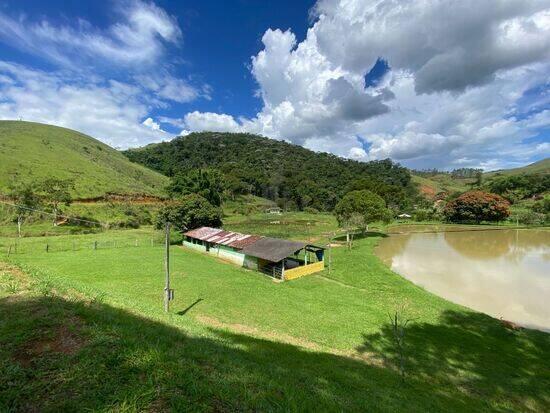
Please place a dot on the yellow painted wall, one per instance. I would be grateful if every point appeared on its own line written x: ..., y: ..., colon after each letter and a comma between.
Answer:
x: 304, y: 270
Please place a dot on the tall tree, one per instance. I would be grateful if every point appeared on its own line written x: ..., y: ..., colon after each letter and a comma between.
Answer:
x: 26, y: 200
x: 189, y: 212
x: 57, y: 192
x: 358, y: 209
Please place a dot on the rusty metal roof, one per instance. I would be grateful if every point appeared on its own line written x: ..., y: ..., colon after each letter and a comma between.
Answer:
x: 270, y: 249
x: 244, y: 242
x: 273, y: 249
x: 202, y: 233
x: 219, y: 236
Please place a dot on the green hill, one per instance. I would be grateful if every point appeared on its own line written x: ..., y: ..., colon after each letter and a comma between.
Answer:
x: 540, y: 167
x: 431, y: 184
x: 33, y: 152
x: 293, y: 176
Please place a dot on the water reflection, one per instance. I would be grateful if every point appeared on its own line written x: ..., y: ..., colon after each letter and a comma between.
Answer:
x: 503, y: 273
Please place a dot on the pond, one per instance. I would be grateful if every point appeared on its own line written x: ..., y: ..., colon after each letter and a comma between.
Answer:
x: 504, y: 273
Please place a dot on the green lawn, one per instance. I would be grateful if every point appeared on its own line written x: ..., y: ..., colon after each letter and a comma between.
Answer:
x: 235, y: 340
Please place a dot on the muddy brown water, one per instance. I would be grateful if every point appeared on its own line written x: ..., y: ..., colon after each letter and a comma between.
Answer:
x: 503, y: 273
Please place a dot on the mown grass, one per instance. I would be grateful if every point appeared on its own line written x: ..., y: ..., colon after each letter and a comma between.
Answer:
x: 290, y: 225
x: 235, y: 340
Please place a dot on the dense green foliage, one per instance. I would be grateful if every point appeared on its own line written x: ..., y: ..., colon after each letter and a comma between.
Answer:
x: 358, y: 209
x: 477, y: 206
x: 209, y: 184
x: 460, y: 173
x: 32, y: 152
x: 189, y: 212
x: 517, y: 187
x: 542, y: 206
x: 291, y: 175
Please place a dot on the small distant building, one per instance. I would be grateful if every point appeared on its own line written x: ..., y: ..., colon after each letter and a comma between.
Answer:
x: 404, y: 216
x: 274, y: 210
x: 278, y: 258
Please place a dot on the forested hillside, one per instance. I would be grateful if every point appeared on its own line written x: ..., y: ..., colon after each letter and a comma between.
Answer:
x: 291, y: 175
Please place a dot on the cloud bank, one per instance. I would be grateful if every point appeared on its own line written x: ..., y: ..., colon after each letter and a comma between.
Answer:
x: 467, y: 84
x: 108, y: 80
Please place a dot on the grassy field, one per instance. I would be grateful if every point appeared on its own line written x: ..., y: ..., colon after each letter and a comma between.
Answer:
x: 542, y: 166
x: 32, y: 152
x: 430, y: 186
x: 85, y: 330
x: 433, y: 185
x: 291, y: 225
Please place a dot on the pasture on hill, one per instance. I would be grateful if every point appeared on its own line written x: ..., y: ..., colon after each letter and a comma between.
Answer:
x: 85, y: 329
x: 32, y: 152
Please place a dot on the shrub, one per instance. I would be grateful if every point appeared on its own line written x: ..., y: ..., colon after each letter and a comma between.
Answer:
x: 477, y: 206
x: 531, y: 218
x: 311, y: 210
x: 542, y: 206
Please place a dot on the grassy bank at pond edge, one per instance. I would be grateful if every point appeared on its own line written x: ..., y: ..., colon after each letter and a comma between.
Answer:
x: 86, y: 330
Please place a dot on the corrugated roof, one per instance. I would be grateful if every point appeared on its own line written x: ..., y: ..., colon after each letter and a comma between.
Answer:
x: 202, y: 233
x: 219, y: 236
x: 273, y: 249
x: 244, y: 242
x: 270, y: 249
x: 226, y: 237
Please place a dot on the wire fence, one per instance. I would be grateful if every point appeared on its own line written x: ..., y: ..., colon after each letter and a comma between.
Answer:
x: 18, y: 246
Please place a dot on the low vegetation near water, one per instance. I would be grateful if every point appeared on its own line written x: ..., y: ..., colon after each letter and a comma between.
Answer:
x: 84, y: 329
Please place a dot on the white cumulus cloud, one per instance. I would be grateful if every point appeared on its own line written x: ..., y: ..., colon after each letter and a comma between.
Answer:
x: 110, y: 111
x: 464, y: 83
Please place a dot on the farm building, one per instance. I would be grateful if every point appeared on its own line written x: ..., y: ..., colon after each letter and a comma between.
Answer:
x: 276, y: 257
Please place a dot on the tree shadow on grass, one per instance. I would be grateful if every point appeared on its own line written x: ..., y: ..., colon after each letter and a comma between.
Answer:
x: 360, y: 235
x: 66, y: 355
x: 476, y: 353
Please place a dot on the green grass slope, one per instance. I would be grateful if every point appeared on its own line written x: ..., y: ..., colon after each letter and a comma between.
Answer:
x: 87, y: 332
x: 540, y: 167
x: 442, y: 182
x: 33, y: 152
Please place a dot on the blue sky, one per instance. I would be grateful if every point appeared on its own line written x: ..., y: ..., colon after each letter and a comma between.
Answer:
x: 428, y: 84
x: 214, y: 49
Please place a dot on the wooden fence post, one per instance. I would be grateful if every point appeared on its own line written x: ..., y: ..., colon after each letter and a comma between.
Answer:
x: 47, y: 247
x: 95, y: 245
x: 9, y: 251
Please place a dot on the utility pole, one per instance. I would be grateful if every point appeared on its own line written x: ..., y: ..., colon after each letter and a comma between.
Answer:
x: 329, y: 254
x: 168, y: 294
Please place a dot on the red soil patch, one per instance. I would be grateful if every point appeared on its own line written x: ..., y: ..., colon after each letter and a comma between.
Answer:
x: 427, y: 191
